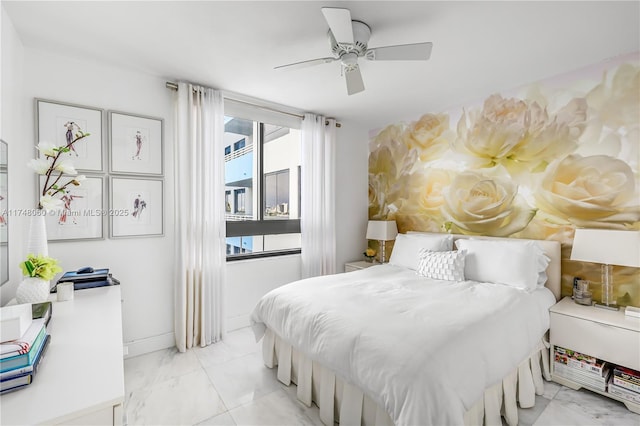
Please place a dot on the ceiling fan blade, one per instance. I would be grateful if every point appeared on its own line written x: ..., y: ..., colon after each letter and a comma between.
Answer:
x: 401, y: 52
x: 339, y: 21
x: 353, y: 77
x: 305, y: 64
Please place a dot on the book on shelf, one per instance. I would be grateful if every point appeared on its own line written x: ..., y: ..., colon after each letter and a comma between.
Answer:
x: 623, y: 383
x: 24, y: 359
x: 22, y: 377
x: 627, y: 374
x: 624, y: 393
x: 576, y: 375
x: 23, y: 344
x: 578, y: 360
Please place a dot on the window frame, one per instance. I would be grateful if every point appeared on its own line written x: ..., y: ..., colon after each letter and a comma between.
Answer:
x: 262, y: 226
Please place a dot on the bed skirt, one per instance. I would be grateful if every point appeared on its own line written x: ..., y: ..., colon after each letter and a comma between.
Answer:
x: 344, y: 403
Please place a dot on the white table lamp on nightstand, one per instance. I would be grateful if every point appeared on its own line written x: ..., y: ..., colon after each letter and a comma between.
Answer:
x: 608, y: 247
x: 382, y: 230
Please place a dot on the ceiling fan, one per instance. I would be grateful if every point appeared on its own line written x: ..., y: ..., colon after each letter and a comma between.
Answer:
x: 348, y: 40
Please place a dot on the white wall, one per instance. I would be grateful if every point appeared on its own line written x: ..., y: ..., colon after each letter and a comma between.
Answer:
x: 143, y: 265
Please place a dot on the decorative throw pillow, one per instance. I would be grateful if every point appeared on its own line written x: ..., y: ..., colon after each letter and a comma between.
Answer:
x: 442, y: 265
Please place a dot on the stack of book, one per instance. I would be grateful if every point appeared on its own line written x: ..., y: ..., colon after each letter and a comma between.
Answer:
x: 580, y: 368
x: 20, y: 358
x: 625, y: 383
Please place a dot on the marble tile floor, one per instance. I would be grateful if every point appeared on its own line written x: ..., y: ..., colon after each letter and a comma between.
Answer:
x: 227, y: 384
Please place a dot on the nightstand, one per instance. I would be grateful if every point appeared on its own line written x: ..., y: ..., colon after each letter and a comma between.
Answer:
x: 608, y: 335
x: 358, y: 264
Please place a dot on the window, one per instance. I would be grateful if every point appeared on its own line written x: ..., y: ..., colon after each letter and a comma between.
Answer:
x: 262, y: 179
x: 227, y: 150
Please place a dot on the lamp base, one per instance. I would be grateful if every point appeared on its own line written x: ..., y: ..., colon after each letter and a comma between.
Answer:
x: 609, y: 307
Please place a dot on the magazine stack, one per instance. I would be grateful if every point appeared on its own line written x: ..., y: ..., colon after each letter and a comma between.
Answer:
x: 625, y: 384
x: 580, y: 368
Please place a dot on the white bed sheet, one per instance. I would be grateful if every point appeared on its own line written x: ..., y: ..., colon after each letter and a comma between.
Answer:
x: 424, y: 350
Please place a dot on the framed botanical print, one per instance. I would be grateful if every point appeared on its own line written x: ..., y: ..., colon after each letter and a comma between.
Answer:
x: 82, y: 212
x: 136, y: 144
x: 75, y: 126
x: 136, y: 208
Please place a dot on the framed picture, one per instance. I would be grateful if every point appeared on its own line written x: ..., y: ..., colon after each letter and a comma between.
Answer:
x: 62, y: 124
x: 137, y: 207
x: 81, y: 217
x: 136, y: 144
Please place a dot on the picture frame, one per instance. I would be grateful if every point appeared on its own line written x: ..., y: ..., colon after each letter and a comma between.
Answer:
x: 83, y: 215
x: 136, y: 144
x: 59, y: 122
x: 4, y: 212
x: 136, y: 207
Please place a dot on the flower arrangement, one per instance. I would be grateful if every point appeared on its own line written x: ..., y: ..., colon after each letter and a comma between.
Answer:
x: 42, y: 267
x: 369, y: 254
x: 56, y: 168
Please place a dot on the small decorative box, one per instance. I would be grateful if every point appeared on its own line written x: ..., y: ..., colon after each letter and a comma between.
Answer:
x: 14, y: 321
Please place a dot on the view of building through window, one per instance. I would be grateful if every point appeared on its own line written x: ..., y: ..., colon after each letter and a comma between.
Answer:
x: 262, y: 183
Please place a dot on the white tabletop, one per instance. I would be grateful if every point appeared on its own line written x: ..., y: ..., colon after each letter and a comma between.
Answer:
x: 82, y: 370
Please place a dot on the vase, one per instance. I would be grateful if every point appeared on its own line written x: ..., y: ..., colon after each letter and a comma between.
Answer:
x: 368, y: 259
x: 37, y: 237
x: 32, y: 290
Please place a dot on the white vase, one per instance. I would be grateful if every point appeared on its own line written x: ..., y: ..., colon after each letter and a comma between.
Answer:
x: 37, y: 237
x: 32, y: 290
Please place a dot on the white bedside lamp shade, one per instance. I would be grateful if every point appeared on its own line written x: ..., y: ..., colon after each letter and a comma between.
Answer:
x: 608, y: 247
x: 382, y: 230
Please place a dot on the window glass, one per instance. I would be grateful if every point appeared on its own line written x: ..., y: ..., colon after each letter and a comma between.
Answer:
x: 262, y: 180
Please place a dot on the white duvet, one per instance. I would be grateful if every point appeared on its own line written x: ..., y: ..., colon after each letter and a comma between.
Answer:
x: 424, y: 350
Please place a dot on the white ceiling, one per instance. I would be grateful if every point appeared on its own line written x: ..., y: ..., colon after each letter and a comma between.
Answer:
x: 479, y: 47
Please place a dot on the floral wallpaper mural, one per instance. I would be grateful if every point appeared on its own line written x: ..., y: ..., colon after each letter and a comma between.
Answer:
x: 533, y: 165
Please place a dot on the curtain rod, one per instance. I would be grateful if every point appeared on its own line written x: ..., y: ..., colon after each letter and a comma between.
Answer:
x: 174, y: 86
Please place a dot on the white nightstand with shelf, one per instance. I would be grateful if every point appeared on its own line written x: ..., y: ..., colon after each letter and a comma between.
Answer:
x: 358, y: 264
x: 604, y: 334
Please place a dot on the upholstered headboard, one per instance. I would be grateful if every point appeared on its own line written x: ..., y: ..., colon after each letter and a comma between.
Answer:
x: 551, y: 249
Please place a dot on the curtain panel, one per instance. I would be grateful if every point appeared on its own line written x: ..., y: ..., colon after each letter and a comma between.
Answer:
x: 200, y: 251
x: 317, y: 222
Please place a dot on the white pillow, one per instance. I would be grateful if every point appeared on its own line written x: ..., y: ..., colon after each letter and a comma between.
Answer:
x: 442, y: 265
x: 516, y: 263
x: 406, y: 247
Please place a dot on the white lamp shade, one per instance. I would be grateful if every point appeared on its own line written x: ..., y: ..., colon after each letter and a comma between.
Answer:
x: 384, y: 230
x: 606, y: 246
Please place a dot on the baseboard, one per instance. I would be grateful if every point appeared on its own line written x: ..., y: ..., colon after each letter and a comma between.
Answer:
x: 149, y: 344
x: 238, y: 322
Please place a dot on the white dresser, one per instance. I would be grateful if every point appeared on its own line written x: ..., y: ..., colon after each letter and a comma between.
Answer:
x: 604, y: 334
x: 81, y: 378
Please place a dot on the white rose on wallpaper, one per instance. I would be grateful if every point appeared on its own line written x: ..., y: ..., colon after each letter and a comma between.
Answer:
x: 614, y: 117
x: 518, y: 135
x: 389, y: 159
x: 596, y: 191
x: 617, y: 103
x: 482, y: 205
x: 430, y: 136
x: 419, y: 198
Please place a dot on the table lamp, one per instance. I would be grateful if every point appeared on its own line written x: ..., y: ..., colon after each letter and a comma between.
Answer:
x: 382, y: 230
x: 608, y: 247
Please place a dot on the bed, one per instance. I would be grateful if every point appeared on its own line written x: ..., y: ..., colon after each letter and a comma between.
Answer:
x: 408, y: 343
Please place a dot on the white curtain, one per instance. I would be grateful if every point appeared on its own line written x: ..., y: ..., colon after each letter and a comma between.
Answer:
x: 200, y: 217
x: 318, y: 194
